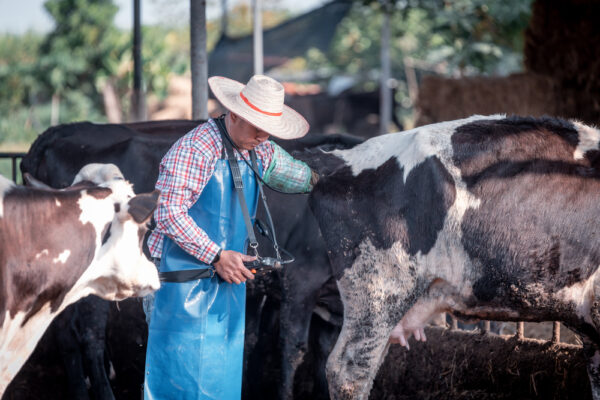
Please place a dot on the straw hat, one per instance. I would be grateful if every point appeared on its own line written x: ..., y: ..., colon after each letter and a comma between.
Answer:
x: 260, y: 102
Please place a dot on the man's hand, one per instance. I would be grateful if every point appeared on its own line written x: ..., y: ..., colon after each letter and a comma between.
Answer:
x: 231, y: 268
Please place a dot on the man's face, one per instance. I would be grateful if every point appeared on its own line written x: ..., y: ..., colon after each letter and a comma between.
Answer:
x: 245, y: 135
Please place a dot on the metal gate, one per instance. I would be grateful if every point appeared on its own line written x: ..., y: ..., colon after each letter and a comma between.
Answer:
x: 13, y: 156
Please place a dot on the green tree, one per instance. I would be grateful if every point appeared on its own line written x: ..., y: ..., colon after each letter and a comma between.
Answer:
x: 459, y: 37
x: 468, y: 36
x: 78, y: 53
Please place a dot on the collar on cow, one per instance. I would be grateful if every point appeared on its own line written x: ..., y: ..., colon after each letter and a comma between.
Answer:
x: 262, y: 263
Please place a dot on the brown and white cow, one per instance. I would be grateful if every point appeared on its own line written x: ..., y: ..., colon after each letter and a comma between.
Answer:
x: 57, y: 246
x: 487, y: 217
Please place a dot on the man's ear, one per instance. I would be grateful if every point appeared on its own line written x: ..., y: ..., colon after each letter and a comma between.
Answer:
x: 234, y: 117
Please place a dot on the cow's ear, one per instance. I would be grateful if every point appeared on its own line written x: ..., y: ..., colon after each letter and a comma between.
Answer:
x: 142, y: 206
x: 32, y: 182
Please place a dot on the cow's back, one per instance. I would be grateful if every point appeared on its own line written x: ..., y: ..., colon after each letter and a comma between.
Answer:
x: 60, y: 152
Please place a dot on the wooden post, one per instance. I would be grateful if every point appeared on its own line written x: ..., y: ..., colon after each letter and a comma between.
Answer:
x: 199, y: 59
x: 257, y: 36
x: 556, y: 332
x: 520, y: 330
x: 486, y: 326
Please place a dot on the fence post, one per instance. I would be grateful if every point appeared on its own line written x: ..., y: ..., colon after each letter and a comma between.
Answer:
x: 486, y: 326
x: 14, y: 169
x: 556, y: 332
x: 520, y: 330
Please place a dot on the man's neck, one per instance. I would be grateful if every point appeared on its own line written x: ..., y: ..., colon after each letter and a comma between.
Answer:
x: 229, y: 132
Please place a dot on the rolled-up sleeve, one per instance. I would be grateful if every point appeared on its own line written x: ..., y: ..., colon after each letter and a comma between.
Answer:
x: 287, y: 174
x: 183, y: 175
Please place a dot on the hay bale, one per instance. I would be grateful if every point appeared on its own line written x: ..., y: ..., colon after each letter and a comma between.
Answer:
x: 562, y: 41
x: 443, y: 99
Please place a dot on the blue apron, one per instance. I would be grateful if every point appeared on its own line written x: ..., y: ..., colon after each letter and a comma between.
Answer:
x: 196, y: 333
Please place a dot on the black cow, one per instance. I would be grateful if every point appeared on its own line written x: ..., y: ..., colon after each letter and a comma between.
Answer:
x: 57, y: 246
x: 354, y: 112
x: 485, y: 217
x: 56, y: 157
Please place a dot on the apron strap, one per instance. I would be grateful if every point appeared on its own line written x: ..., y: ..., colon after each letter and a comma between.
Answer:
x: 273, y: 236
x: 237, y: 181
x: 235, y: 170
x: 186, y: 275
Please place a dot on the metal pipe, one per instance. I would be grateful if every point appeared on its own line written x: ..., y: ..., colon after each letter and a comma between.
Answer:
x: 13, y: 157
x: 224, y: 18
x: 257, y: 36
x: 137, y: 101
x: 14, y: 169
x: 199, y: 59
x: 385, y: 112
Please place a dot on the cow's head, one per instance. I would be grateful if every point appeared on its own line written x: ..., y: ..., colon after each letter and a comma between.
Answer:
x: 120, y: 268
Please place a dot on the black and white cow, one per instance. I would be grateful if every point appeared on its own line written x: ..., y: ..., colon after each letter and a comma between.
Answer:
x: 486, y: 217
x: 57, y: 246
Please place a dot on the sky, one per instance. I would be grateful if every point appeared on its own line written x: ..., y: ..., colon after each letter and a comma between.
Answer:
x: 19, y: 16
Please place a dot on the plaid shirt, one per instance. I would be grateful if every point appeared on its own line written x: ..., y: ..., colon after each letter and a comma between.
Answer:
x: 184, y: 172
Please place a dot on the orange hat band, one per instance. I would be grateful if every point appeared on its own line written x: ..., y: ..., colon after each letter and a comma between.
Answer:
x: 252, y: 106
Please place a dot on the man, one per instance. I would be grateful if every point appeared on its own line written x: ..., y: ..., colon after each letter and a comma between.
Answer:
x: 196, y: 330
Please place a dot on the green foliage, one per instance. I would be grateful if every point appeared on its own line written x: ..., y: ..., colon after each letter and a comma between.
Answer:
x: 85, y: 51
x: 17, y: 63
x: 482, y: 35
x: 80, y: 49
x: 466, y: 36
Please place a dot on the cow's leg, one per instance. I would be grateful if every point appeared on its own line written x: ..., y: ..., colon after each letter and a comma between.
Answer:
x: 359, y: 351
x: 327, y: 336
x: 591, y: 342
x: 92, y: 319
x: 592, y: 355
x: 301, y: 286
x: 376, y: 292
x: 68, y: 346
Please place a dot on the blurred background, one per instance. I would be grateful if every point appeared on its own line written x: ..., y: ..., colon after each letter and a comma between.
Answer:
x: 72, y: 60
x: 63, y: 61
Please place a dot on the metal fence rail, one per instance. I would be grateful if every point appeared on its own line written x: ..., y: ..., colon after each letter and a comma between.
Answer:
x: 520, y: 329
x: 13, y: 156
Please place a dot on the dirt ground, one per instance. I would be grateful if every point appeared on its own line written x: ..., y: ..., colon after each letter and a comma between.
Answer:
x: 450, y: 365
x: 471, y: 365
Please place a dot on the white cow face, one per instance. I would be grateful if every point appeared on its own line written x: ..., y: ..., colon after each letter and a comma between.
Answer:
x: 120, y: 268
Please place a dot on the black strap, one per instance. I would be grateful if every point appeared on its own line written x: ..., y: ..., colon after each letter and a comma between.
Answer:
x: 186, y: 275
x: 238, y: 183
x: 228, y: 147
x: 273, y: 239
